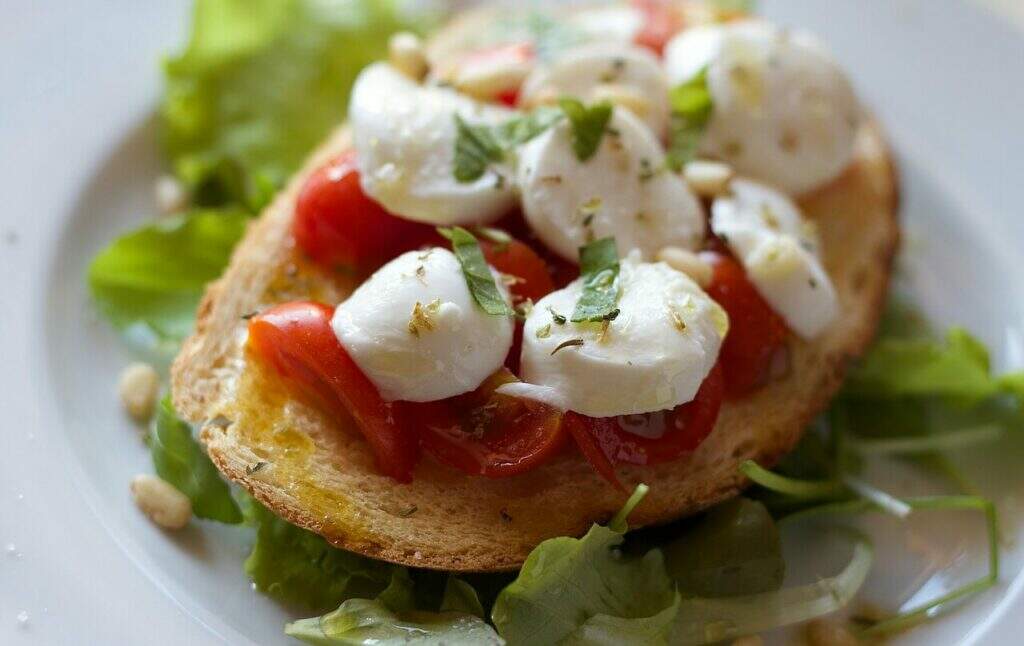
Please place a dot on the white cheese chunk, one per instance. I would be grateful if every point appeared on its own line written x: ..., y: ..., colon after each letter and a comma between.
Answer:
x: 783, y: 110
x: 778, y: 247
x: 404, y: 136
x: 653, y: 356
x: 628, y: 75
x: 621, y: 191
x: 415, y: 331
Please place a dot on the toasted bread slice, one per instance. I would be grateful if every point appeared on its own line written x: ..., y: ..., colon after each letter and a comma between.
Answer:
x: 317, y: 472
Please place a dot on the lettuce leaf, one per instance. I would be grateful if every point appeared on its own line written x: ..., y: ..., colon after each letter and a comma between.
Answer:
x: 180, y: 460
x: 567, y: 581
x: 148, y: 282
x: 734, y: 549
x: 260, y: 83
x: 299, y: 567
x: 393, y: 618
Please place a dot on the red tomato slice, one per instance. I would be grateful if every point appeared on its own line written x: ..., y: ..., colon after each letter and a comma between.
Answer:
x: 685, y: 427
x: 488, y: 434
x: 528, y: 272
x: 756, y: 333
x: 298, y: 340
x: 661, y: 22
x: 340, y: 227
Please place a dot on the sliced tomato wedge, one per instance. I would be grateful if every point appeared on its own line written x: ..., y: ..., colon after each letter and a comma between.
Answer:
x: 339, y: 226
x: 662, y: 21
x: 527, y: 271
x: 489, y: 434
x: 681, y: 429
x: 757, y: 335
x: 297, y: 339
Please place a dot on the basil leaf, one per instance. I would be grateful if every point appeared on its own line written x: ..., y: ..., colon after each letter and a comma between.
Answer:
x: 477, y: 146
x: 179, y: 460
x: 477, y: 272
x: 588, y: 125
x: 599, y: 271
x: 691, y: 110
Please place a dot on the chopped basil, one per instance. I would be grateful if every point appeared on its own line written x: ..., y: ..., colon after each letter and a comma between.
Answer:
x: 475, y: 148
x: 588, y: 125
x: 556, y: 317
x: 691, y: 109
x: 599, y: 271
x: 478, y: 146
x: 497, y: 237
x: 477, y: 272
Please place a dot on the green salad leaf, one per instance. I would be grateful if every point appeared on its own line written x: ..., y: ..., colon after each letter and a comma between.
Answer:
x: 392, y: 618
x: 260, y: 83
x: 299, y: 567
x: 478, y: 274
x: 956, y: 367
x: 599, y: 271
x: 691, y: 110
x: 180, y: 460
x: 589, y: 125
x: 735, y: 549
x: 150, y: 280
x: 565, y: 582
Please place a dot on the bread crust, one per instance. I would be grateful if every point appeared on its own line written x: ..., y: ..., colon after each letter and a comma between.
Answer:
x: 318, y: 473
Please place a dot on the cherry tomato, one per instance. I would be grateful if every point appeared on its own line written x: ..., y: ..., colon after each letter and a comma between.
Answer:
x: 562, y: 272
x: 661, y: 22
x: 298, y: 340
x: 756, y: 333
x: 489, y: 434
x: 526, y: 270
x: 340, y: 227
x: 683, y: 429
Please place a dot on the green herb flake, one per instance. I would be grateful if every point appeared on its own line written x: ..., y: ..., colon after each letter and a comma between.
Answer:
x: 567, y: 344
x: 556, y: 317
x: 544, y: 332
x: 589, y: 125
x: 691, y: 110
x: 599, y: 271
x: 477, y: 272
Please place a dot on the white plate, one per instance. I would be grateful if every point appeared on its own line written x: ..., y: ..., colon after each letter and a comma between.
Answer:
x: 78, y: 85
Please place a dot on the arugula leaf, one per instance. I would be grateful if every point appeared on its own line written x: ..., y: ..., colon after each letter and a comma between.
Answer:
x: 393, y: 619
x: 691, y: 110
x: 599, y: 271
x: 152, y: 278
x: 477, y: 146
x: 179, y: 460
x: 589, y: 124
x: 259, y: 85
x: 567, y: 581
x: 477, y: 272
x: 735, y: 549
x: 299, y: 567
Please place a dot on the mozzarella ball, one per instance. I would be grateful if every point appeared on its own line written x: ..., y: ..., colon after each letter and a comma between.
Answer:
x: 653, y: 356
x: 778, y: 247
x: 404, y: 136
x: 627, y: 75
x: 783, y: 110
x: 415, y: 331
x: 621, y: 191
